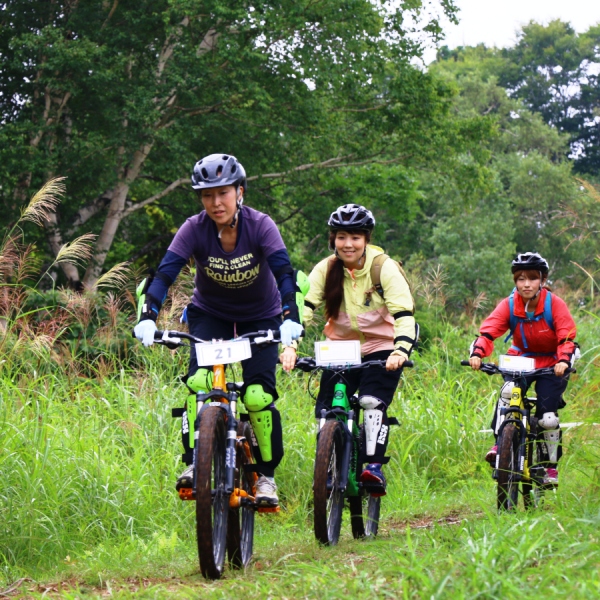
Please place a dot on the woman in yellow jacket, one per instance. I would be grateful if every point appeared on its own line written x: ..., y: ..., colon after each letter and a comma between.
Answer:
x: 384, y: 325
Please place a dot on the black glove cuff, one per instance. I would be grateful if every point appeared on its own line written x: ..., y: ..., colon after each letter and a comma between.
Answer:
x: 290, y: 308
x: 150, y: 308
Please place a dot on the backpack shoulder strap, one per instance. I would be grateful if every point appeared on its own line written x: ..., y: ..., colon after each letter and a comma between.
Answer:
x: 511, y: 308
x: 548, y: 310
x: 512, y: 319
x: 376, y: 272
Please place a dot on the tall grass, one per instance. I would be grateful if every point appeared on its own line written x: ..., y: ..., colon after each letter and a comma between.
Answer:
x: 88, y: 467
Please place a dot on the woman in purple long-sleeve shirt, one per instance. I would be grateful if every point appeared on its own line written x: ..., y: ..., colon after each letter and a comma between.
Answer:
x: 244, y: 283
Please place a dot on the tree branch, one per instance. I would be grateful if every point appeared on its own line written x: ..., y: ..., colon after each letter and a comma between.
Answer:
x: 85, y: 213
x: 110, y: 14
x: 156, y: 197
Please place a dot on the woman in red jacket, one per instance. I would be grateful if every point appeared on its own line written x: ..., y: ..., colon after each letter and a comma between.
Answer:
x: 543, y: 328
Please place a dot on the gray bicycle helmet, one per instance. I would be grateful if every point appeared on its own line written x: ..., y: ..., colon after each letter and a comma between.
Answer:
x: 530, y: 261
x: 351, y: 217
x: 216, y: 170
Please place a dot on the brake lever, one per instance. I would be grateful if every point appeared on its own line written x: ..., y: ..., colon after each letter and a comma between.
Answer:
x: 170, y: 342
x: 264, y: 339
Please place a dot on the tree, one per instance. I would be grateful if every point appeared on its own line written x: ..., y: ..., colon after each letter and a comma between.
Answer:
x: 552, y: 69
x: 122, y: 98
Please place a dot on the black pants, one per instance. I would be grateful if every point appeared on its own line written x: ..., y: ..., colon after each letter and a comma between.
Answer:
x: 374, y: 381
x: 549, y: 390
x: 258, y: 369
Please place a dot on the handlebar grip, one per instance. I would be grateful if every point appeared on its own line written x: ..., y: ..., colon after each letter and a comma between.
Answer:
x: 465, y: 363
x: 408, y: 363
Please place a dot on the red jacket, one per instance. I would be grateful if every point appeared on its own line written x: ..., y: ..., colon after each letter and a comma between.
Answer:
x: 557, y: 344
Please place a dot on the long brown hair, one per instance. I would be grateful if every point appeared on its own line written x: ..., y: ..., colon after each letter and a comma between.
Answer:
x: 334, y: 281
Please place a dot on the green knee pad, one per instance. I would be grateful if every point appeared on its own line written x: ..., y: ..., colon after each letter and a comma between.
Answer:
x: 256, y: 400
x: 200, y: 381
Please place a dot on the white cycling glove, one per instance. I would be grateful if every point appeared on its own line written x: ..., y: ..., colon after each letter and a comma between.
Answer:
x: 144, y: 331
x: 290, y: 330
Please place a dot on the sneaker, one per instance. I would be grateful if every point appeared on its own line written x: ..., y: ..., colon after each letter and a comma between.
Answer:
x: 551, y: 476
x: 186, y: 479
x: 373, y: 480
x: 491, y: 456
x: 266, y: 492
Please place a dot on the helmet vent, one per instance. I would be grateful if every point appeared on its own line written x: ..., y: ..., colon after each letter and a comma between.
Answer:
x: 225, y: 157
x: 204, y: 173
x: 219, y: 170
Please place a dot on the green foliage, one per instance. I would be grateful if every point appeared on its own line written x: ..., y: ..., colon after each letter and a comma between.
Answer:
x: 123, y: 99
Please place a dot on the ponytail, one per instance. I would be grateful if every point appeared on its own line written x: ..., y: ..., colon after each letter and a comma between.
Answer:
x: 334, y: 288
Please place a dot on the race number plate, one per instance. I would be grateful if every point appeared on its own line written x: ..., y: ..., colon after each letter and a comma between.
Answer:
x: 337, y: 353
x: 517, y: 363
x: 223, y: 353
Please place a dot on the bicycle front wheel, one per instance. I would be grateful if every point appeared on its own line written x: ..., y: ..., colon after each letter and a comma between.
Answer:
x: 240, y: 526
x: 508, y: 468
x: 328, y: 499
x: 212, y: 501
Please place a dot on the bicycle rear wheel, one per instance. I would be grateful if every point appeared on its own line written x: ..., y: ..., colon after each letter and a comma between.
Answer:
x: 508, y: 485
x: 240, y: 524
x: 328, y: 499
x: 364, y: 515
x: 212, y: 501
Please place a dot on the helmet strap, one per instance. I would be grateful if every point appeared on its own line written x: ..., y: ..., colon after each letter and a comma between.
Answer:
x: 232, y: 224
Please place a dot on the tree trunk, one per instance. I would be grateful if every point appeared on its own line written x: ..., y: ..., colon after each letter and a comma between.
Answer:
x: 115, y: 215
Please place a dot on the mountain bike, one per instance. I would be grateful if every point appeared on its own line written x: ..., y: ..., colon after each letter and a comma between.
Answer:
x: 339, y: 461
x: 517, y: 441
x: 224, y: 482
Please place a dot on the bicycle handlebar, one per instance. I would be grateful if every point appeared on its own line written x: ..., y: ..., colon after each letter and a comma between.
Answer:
x: 309, y: 364
x: 172, y: 339
x: 492, y: 369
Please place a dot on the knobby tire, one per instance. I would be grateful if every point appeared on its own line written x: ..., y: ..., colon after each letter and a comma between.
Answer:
x: 364, y: 514
x: 328, y: 499
x: 508, y: 485
x: 240, y: 523
x: 212, y: 502
x: 364, y: 509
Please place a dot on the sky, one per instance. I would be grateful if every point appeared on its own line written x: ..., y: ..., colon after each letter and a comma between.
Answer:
x: 494, y: 22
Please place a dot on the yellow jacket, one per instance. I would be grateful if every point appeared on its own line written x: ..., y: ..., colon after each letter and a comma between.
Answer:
x: 385, y: 324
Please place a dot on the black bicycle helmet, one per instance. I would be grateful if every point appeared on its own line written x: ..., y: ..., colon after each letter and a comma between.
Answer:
x: 216, y: 170
x: 530, y: 261
x: 351, y: 217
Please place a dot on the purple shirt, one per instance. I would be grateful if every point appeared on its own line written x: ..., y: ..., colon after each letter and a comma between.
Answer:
x: 237, y: 285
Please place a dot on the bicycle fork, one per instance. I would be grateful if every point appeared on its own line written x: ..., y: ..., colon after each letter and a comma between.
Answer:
x: 520, y: 418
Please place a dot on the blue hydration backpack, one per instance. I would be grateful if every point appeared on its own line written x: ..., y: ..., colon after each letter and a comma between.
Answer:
x: 518, y: 321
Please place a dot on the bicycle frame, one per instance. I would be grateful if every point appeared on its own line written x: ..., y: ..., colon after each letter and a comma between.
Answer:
x: 224, y: 396
x: 342, y: 410
x: 518, y: 414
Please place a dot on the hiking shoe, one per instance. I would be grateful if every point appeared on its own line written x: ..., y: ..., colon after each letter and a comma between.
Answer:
x: 491, y: 456
x: 551, y: 476
x: 266, y: 492
x: 373, y: 480
x: 186, y: 479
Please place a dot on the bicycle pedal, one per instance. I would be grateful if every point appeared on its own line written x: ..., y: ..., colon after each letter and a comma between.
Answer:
x: 186, y: 494
x: 268, y: 509
x: 239, y: 497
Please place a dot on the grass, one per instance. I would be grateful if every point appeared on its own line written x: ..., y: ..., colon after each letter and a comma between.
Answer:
x: 88, y: 509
